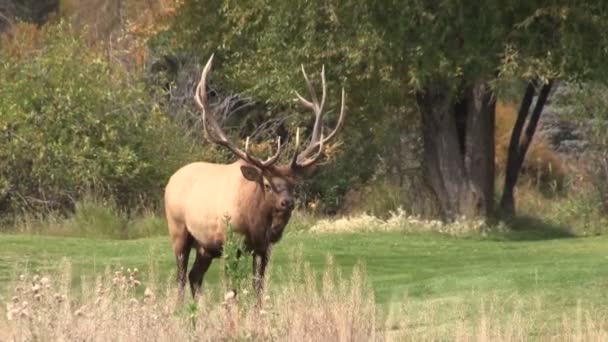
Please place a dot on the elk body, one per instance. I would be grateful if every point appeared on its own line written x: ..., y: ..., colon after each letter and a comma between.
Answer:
x: 257, y: 196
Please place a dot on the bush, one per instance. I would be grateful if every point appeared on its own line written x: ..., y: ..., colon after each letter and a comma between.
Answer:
x: 235, y: 261
x: 93, y: 218
x: 72, y: 121
x: 587, y: 104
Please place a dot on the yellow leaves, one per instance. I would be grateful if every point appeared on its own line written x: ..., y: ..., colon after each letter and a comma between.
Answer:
x: 121, y: 27
x: 151, y: 21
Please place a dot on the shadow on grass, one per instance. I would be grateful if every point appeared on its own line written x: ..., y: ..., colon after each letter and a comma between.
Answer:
x: 529, y: 228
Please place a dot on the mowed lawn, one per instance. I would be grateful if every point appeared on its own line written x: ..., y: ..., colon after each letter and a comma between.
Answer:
x: 562, y: 272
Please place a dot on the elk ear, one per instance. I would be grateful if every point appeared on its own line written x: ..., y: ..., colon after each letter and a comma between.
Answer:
x: 251, y: 173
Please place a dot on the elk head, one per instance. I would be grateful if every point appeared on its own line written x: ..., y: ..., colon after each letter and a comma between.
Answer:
x: 277, y: 181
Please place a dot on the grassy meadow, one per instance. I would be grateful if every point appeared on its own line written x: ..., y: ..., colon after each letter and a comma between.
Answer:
x: 495, y: 286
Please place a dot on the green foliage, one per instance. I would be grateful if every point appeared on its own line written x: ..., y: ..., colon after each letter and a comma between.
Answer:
x: 382, y: 53
x: 459, y: 42
x: 71, y: 121
x: 259, y: 46
x: 236, y: 265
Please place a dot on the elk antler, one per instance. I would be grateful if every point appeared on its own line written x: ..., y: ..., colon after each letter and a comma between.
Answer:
x: 217, y: 135
x: 317, y: 140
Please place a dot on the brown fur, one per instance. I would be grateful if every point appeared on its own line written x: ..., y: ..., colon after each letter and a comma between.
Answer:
x: 199, y: 197
x: 255, y: 195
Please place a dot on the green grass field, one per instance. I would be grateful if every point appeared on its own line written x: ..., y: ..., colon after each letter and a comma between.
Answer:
x: 420, y: 266
x: 427, y: 285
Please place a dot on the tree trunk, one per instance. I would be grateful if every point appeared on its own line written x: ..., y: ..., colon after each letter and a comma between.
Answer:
x: 518, y: 146
x: 479, y: 146
x: 458, y: 158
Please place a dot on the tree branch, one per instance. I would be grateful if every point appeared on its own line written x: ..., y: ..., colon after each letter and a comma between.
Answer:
x: 522, y: 115
x: 531, y: 127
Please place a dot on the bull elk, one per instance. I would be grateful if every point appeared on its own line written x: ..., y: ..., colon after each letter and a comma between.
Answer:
x: 256, y: 195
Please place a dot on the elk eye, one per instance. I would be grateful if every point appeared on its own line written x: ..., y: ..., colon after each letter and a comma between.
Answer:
x: 268, y: 187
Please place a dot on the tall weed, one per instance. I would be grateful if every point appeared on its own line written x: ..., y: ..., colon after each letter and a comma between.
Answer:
x: 119, y: 306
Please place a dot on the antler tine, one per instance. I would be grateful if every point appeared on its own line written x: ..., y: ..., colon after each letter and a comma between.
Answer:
x: 322, y: 141
x: 271, y: 160
x: 318, y: 139
x: 316, y: 130
x: 314, y: 158
x: 275, y: 157
x: 311, y: 89
x: 218, y: 136
x: 304, y: 102
x: 294, y: 161
x: 340, y: 123
x: 324, y: 85
x: 200, y: 97
x: 316, y: 107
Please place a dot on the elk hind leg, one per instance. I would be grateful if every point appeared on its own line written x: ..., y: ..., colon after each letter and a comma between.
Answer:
x: 199, y: 268
x: 182, y: 243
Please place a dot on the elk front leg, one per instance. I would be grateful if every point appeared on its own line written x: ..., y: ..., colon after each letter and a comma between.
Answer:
x: 260, y: 261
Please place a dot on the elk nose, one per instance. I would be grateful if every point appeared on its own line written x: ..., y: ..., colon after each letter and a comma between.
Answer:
x: 287, y: 203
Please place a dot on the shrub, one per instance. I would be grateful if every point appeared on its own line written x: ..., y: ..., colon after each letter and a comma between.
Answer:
x: 96, y: 218
x: 92, y: 217
x: 587, y: 105
x: 72, y: 121
x: 580, y: 213
x: 236, y: 270
x: 146, y: 225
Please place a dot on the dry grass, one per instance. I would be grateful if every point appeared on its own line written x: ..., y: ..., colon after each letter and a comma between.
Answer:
x: 398, y: 220
x: 119, y: 307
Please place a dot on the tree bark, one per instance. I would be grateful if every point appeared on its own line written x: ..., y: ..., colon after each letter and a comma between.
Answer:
x: 458, y: 159
x: 518, y: 146
x: 480, y: 148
